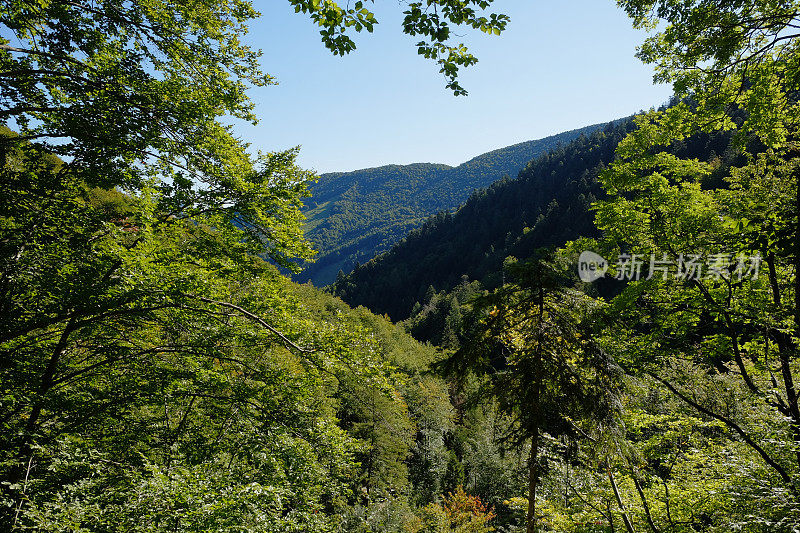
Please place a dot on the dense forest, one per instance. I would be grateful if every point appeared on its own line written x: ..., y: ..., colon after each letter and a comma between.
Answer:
x: 548, y: 205
x: 354, y: 216
x: 160, y: 371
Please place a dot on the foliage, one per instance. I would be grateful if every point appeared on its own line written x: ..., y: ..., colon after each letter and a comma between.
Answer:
x: 544, y: 369
x: 726, y: 54
x: 440, y: 320
x: 723, y: 342
x: 432, y: 20
x: 156, y: 373
x: 493, y: 469
x: 392, y: 515
x: 459, y: 513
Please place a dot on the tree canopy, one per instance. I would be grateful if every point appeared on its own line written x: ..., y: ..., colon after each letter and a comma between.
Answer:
x: 158, y: 373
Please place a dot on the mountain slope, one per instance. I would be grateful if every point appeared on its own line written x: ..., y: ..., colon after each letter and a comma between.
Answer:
x: 547, y: 205
x: 354, y: 216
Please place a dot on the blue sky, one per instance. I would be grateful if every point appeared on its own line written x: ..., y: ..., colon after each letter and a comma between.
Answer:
x: 558, y: 66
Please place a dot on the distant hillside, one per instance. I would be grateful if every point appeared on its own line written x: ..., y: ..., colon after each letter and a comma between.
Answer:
x: 354, y: 216
x: 547, y: 205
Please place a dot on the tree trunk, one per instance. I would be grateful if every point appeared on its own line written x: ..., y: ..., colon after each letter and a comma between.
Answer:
x: 625, y: 519
x: 797, y: 255
x: 46, y: 382
x: 24, y: 451
x: 646, y: 506
x: 533, y: 461
x: 533, y: 478
x: 796, y: 292
x: 787, y: 350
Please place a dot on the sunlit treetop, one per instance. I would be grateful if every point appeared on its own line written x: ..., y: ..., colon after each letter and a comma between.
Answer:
x: 725, y: 54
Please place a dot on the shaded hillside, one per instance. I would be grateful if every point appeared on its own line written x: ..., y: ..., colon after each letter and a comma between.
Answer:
x: 354, y: 216
x: 547, y: 205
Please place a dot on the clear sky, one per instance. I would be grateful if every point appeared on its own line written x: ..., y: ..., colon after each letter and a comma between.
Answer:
x: 560, y: 65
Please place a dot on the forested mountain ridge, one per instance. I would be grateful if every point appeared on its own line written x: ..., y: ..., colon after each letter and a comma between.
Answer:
x: 354, y: 216
x: 546, y: 206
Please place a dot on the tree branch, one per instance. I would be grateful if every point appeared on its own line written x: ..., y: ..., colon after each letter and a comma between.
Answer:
x: 254, y: 318
x: 734, y: 426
